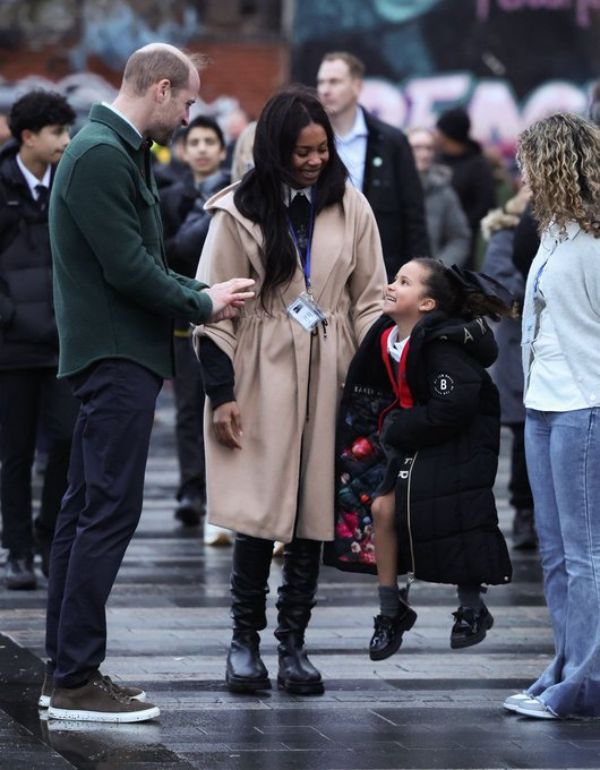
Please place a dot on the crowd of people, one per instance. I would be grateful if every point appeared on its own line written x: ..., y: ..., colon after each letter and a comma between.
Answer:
x: 319, y: 276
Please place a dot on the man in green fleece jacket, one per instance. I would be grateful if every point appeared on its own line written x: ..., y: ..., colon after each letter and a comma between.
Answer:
x: 115, y: 300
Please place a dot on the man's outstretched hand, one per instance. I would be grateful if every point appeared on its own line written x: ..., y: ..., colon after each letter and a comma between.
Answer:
x: 228, y: 297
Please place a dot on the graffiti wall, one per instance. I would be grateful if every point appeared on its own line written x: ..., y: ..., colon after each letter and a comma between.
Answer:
x: 509, y: 62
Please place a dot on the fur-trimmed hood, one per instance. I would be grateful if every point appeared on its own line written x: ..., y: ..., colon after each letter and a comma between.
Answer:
x: 507, y: 217
x: 437, y: 176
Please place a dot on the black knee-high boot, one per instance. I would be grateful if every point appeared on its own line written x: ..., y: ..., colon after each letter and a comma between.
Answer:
x: 296, y: 598
x: 251, y: 564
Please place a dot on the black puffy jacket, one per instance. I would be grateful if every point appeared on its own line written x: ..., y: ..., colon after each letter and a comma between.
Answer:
x: 442, y: 456
x: 28, y: 335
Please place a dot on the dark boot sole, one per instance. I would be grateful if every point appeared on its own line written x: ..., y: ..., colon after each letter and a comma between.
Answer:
x: 246, y: 686
x: 29, y: 585
x: 188, y: 517
x: 300, y: 688
x: 460, y: 644
x: 406, y: 625
x: 525, y: 544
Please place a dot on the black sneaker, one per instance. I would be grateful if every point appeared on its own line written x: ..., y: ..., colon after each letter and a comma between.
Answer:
x: 19, y: 574
x: 189, y: 510
x: 387, y: 636
x: 470, y: 626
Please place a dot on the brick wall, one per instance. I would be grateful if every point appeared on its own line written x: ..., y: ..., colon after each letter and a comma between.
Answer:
x: 250, y: 72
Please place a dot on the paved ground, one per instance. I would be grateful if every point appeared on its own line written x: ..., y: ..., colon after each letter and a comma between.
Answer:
x: 426, y: 707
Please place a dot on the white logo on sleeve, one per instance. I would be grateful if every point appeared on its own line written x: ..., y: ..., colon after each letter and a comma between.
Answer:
x: 443, y: 385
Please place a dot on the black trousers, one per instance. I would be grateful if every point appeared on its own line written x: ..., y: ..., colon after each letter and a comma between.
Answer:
x: 99, y: 513
x: 520, y: 494
x: 189, y: 421
x: 30, y: 398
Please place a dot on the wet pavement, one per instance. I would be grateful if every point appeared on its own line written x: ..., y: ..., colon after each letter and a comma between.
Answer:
x: 426, y: 707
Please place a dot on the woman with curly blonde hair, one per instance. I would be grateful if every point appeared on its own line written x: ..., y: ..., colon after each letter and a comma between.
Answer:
x: 560, y: 158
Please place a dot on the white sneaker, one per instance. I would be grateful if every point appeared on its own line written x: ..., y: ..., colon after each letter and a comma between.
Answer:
x: 532, y: 707
x: 511, y: 703
x: 217, y: 536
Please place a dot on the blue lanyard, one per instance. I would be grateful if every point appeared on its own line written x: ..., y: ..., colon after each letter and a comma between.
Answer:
x: 307, y: 257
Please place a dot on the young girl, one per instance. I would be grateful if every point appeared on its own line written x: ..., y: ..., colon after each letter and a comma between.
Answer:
x: 419, y: 436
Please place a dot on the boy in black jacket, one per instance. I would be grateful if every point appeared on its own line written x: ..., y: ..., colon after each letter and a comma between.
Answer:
x: 185, y: 225
x: 30, y: 394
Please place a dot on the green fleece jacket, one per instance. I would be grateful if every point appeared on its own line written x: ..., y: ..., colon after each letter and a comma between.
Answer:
x: 114, y: 295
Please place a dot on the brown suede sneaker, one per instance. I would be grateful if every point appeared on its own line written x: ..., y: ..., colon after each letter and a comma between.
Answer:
x: 98, y: 701
x: 135, y: 693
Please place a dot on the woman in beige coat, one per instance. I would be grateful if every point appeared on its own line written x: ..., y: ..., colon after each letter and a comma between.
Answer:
x: 274, y: 376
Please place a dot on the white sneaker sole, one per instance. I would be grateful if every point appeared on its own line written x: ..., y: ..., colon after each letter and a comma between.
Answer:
x: 511, y: 703
x: 278, y: 550
x: 44, y: 700
x: 103, y: 716
x: 540, y: 713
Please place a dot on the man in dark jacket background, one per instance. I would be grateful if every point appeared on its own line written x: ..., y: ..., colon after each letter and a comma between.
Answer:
x: 472, y: 176
x: 379, y: 160
x: 30, y: 394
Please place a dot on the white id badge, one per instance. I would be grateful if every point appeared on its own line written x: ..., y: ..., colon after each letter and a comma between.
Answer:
x: 306, y: 312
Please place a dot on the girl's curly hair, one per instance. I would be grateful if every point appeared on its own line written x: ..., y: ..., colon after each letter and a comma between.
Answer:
x: 560, y: 157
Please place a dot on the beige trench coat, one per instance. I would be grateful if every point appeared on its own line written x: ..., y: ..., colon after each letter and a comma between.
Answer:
x: 288, y: 383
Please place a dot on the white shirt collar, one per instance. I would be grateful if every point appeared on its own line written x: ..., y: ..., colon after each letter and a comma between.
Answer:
x: 289, y: 193
x: 123, y: 117
x: 396, y: 346
x: 359, y: 129
x: 553, y: 235
x: 31, y: 179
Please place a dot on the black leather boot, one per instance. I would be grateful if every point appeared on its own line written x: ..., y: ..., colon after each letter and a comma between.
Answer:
x: 297, y: 675
x: 245, y: 671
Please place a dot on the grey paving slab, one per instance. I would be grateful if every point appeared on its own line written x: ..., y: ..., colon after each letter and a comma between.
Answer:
x: 168, y: 620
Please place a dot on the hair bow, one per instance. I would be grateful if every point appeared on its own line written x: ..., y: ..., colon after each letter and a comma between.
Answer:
x: 472, y: 282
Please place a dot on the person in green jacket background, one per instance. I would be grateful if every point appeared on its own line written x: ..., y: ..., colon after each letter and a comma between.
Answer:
x: 115, y: 300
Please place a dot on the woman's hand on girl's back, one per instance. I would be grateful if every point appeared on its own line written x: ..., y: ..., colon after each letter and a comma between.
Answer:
x: 227, y: 424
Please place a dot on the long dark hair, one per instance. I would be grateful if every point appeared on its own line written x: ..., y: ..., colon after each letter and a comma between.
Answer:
x: 260, y: 197
x: 463, y: 293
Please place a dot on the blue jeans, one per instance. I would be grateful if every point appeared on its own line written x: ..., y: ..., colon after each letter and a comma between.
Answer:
x: 563, y: 460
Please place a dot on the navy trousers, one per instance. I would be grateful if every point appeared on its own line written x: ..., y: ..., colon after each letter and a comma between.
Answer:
x: 99, y: 513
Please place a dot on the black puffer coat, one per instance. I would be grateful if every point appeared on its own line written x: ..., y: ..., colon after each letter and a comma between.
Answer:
x: 442, y: 455
x: 28, y: 336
